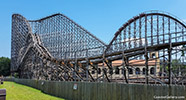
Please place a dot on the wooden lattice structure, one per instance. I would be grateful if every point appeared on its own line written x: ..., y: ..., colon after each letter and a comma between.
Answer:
x: 57, y: 48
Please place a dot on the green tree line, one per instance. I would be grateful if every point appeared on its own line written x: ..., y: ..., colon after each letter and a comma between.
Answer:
x: 4, y: 66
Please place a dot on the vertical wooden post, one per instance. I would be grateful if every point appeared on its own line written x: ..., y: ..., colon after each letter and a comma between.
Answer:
x: 124, y: 65
x: 169, y: 54
x: 147, y: 67
x: 169, y: 65
x: 87, y: 66
x: 146, y: 53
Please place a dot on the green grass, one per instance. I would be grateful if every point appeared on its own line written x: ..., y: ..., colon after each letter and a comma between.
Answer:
x: 16, y: 91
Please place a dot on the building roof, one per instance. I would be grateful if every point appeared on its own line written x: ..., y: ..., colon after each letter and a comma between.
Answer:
x: 131, y: 63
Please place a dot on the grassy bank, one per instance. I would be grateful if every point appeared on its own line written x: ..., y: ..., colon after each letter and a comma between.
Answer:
x: 21, y: 92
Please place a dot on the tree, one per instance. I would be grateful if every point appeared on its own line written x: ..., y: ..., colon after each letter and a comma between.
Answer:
x: 4, y: 66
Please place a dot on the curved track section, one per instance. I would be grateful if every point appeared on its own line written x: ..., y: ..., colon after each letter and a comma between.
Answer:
x: 56, y: 48
x: 20, y: 29
x: 148, y: 33
x: 147, y: 29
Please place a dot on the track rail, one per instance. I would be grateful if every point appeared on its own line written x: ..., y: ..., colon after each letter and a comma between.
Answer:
x: 57, y: 48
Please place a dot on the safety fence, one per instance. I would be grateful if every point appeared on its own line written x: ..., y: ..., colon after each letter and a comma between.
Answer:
x: 105, y: 91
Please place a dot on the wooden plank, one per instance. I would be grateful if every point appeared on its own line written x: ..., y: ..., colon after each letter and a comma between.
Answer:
x: 65, y: 90
x: 83, y: 91
x: 94, y: 91
x: 114, y: 91
x: 62, y: 90
x: 99, y: 91
x: 118, y: 94
x: 105, y: 91
x: 70, y: 90
x: 79, y: 91
x: 88, y: 90
x: 124, y: 92
x: 2, y: 94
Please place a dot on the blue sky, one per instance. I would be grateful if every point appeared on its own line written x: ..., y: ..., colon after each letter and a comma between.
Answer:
x: 100, y: 17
